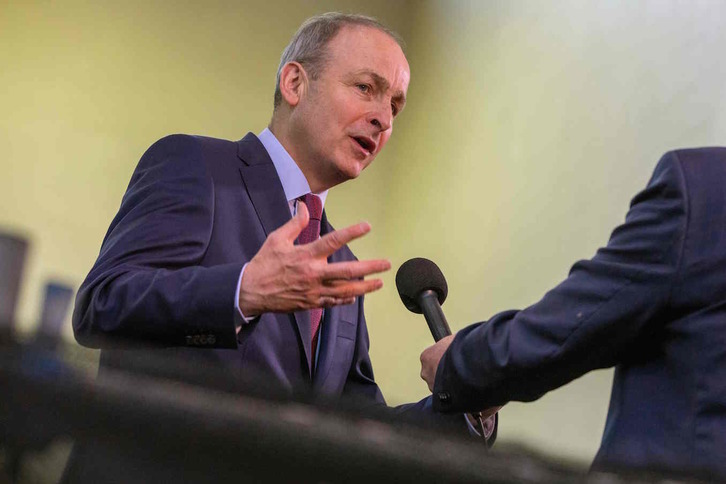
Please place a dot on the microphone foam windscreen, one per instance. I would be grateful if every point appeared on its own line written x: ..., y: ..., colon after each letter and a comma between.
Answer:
x: 417, y: 275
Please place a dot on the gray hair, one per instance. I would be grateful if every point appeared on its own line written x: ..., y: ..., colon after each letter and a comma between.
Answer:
x: 309, y: 44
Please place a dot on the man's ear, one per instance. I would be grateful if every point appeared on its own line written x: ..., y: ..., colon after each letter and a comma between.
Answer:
x: 293, y: 82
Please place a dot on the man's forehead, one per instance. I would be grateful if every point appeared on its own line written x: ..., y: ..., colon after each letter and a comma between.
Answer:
x: 367, y: 51
x: 352, y: 38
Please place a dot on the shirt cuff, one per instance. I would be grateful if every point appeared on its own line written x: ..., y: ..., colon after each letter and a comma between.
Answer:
x: 242, y: 319
x: 489, y: 425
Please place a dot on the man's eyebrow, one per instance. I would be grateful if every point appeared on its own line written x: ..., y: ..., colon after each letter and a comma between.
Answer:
x: 380, y: 81
x: 383, y: 85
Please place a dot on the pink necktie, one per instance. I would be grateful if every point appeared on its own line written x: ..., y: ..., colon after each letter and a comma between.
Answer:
x: 311, y: 233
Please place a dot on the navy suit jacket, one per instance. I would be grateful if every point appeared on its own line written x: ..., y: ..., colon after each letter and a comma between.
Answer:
x: 195, y: 211
x: 652, y: 303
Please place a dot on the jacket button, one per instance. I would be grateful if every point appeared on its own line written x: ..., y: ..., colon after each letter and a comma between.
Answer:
x: 444, y: 398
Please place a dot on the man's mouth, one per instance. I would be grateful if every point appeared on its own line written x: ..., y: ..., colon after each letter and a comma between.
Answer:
x: 366, y: 143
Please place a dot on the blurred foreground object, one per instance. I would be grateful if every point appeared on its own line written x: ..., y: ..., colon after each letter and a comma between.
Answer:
x: 56, y: 302
x: 173, y: 421
x: 150, y: 426
x: 12, y: 259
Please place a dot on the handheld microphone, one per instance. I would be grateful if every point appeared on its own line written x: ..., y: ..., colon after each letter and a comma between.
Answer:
x: 423, y: 289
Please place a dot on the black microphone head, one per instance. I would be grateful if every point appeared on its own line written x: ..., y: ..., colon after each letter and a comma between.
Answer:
x: 417, y: 275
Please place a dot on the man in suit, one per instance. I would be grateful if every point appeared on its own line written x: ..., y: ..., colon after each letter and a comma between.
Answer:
x: 203, y: 251
x: 652, y: 303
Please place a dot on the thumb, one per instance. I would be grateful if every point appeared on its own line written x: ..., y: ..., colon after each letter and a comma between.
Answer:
x: 292, y: 228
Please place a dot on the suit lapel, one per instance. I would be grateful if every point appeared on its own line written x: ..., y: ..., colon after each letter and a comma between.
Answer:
x: 268, y: 197
x: 331, y: 322
x: 262, y: 183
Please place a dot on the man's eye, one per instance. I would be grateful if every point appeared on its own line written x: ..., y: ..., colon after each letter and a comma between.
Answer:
x: 363, y: 88
x: 394, y: 109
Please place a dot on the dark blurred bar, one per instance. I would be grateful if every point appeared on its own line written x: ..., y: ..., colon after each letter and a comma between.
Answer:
x: 141, y: 428
x: 13, y: 249
x: 162, y: 420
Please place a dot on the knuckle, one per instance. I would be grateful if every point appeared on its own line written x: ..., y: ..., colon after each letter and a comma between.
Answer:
x: 274, y: 236
x: 334, y: 240
x: 305, y: 280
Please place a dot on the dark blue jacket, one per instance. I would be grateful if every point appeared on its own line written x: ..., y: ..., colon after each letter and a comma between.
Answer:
x: 196, y: 210
x: 652, y: 303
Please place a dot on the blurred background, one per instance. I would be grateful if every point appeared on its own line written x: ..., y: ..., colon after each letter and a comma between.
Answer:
x: 528, y: 128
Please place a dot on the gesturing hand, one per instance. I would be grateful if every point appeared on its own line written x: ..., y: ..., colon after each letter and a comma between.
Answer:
x: 284, y: 277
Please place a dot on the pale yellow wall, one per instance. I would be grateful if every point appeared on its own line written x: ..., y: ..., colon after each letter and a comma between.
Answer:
x: 529, y: 127
x: 86, y: 87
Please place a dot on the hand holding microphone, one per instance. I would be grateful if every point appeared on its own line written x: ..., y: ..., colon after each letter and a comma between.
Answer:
x: 423, y: 289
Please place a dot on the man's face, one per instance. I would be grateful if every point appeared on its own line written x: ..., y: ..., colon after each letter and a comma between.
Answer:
x: 345, y: 117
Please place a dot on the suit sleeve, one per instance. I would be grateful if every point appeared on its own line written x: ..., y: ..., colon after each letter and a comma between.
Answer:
x: 593, y: 319
x: 147, y: 285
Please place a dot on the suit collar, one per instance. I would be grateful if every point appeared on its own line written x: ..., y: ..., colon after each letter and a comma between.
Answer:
x: 252, y: 152
x: 262, y: 184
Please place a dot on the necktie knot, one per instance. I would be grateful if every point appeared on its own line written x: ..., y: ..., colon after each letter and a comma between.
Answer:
x: 314, y: 204
x: 315, y: 208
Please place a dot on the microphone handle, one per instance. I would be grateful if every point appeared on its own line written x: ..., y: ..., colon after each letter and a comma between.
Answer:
x: 428, y: 300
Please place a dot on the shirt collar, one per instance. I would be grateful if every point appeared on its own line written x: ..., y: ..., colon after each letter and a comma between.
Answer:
x: 293, y: 180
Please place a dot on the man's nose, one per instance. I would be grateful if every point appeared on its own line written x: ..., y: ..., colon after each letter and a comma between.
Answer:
x: 382, y: 118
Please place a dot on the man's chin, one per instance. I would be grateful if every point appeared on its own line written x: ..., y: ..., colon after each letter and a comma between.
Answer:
x: 351, y: 171
x: 342, y: 172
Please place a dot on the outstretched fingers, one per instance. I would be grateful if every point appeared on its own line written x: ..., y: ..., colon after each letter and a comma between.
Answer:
x: 330, y: 242
x: 353, y: 269
x: 347, y: 290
